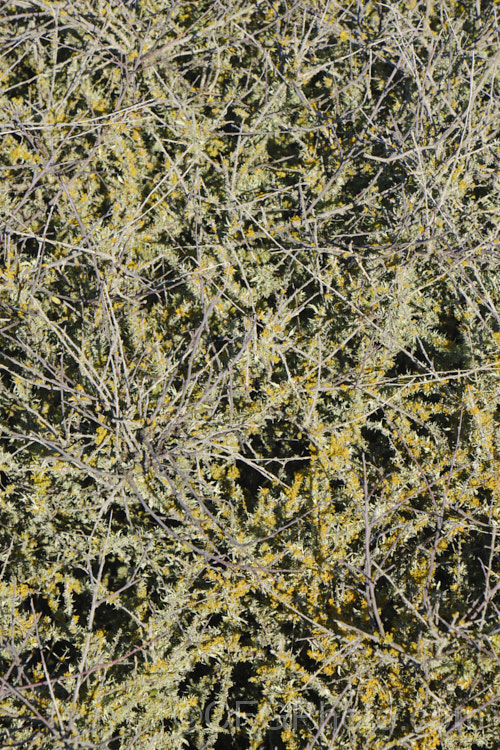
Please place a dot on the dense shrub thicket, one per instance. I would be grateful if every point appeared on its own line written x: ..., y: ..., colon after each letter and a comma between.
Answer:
x: 249, y: 374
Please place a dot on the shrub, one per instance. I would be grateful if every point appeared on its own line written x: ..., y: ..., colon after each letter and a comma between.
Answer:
x: 249, y: 374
